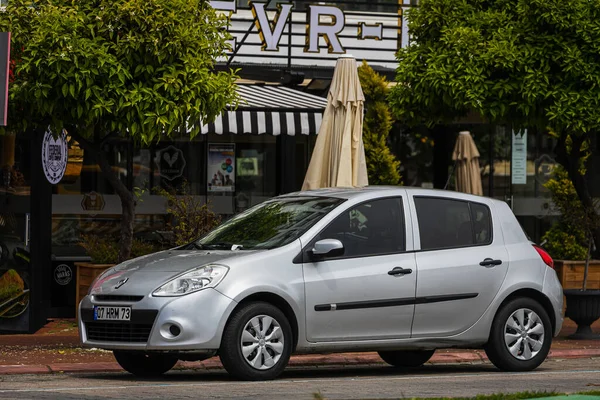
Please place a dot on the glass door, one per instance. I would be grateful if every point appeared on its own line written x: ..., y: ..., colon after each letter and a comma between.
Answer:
x: 15, y: 261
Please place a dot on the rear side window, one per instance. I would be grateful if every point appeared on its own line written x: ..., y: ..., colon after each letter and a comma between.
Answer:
x: 447, y: 223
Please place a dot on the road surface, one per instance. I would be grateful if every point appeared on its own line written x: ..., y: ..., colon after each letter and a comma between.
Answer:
x: 367, y: 382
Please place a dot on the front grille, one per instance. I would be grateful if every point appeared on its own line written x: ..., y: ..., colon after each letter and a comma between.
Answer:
x: 115, y: 297
x: 118, y: 332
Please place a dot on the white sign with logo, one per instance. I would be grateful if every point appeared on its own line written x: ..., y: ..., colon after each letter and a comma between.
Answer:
x: 519, y: 157
x: 55, y: 154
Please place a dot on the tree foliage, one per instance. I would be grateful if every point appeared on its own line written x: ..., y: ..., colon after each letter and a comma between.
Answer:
x: 189, y: 218
x: 382, y: 166
x: 139, y: 69
x: 527, y: 62
x: 568, y: 238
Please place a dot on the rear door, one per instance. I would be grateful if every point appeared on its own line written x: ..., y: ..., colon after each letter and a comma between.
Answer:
x: 461, y: 263
x: 359, y: 296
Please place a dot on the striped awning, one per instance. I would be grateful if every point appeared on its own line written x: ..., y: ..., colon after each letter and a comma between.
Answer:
x: 274, y: 110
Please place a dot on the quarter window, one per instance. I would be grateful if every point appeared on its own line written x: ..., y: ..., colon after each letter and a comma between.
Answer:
x: 447, y: 223
x: 369, y: 229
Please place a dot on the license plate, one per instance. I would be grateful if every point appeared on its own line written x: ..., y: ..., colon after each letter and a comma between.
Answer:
x: 104, y: 313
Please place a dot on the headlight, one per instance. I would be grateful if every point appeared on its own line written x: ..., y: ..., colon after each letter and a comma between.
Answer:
x: 192, y: 281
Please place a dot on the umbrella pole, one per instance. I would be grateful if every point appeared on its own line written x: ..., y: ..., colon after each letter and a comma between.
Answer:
x: 450, y: 176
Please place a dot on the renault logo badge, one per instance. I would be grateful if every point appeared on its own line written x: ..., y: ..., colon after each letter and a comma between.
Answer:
x: 121, y: 282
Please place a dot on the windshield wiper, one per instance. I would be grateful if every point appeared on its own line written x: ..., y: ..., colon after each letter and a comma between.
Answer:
x: 224, y: 246
x: 195, y: 246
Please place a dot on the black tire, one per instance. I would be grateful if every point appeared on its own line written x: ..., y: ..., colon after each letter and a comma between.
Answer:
x: 406, y: 358
x: 231, y: 346
x: 497, y: 349
x: 145, y: 365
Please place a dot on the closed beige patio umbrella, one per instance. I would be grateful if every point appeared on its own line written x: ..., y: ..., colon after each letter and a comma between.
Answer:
x: 466, y: 155
x: 338, y: 159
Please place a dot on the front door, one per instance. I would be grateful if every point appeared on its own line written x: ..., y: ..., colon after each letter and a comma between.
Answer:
x: 369, y: 291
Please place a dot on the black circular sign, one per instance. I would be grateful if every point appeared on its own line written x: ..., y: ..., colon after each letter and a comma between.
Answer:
x: 63, y: 274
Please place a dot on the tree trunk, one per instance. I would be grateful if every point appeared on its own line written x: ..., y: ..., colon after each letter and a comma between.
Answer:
x: 127, y: 198
x: 570, y: 161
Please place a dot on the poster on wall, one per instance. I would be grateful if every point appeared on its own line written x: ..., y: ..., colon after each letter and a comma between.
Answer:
x: 519, y: 157
x: 14, y: 286
x: 221, y: 168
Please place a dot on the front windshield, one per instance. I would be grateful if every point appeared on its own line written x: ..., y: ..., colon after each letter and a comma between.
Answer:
x: 271, y: 224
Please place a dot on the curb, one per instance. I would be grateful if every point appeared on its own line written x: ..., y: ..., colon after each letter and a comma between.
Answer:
x: 342, y: 359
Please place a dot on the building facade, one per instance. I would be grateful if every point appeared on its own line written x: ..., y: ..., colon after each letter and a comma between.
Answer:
x: 285, y: 53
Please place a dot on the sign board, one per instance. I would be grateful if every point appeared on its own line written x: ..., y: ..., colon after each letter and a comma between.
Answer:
x: 92, y: 201
x: 519, y: 157
x: 221, y: 168
x: 55, y: 154
x: 302, y: 34
x: 4, y: 75
x: 63, y: 274
x: 171, y: 162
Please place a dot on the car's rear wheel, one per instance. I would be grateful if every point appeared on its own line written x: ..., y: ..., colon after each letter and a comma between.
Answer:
x: 520, y: 337
x: 257, y: 342
x: 406, y: 358
x: 145, y: 365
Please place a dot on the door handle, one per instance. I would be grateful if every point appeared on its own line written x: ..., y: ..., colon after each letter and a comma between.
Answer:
x: 490, y: 262
x: 400, y: 271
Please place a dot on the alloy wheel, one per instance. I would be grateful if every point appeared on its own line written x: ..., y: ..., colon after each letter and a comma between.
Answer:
x: 262, y: 342
x: 524, y: 334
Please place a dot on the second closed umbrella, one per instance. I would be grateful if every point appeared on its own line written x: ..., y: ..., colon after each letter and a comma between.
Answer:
x: 466, y: 155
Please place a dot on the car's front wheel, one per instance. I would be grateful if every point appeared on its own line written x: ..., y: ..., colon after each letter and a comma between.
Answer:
x: 257, y: 342
x: 406, y: 358
x: 520, y: 337
x: 145, y: 365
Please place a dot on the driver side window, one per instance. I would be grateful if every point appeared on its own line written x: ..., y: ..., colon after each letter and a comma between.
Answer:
x: 369, y: 229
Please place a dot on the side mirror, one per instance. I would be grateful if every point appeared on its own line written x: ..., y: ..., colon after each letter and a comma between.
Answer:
x: 327, y: 247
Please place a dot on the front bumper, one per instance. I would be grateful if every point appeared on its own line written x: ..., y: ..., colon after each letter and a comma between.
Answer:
x: 200, y: 317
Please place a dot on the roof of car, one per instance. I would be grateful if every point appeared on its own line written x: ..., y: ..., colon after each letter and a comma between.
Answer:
x: 351, y: 192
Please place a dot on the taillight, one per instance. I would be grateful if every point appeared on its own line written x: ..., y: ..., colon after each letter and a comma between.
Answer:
x: 545, y: 256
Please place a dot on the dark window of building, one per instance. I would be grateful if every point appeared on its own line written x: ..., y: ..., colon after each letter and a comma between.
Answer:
x: 372, y: 228
x: 83, y: 174
x: 446, y: 223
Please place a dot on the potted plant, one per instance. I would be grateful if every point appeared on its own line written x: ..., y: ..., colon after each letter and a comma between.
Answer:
x: 571, y: 239
x: 188, y: 218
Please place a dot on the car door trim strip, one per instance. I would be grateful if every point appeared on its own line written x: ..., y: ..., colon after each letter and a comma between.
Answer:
x: 353, y: 305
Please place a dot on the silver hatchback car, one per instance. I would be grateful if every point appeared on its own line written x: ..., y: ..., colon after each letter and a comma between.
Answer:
x: 401, y: 271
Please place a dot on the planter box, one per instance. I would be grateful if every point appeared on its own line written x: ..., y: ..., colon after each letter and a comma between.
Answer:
x: 570, y: 274
x: 86, y: 273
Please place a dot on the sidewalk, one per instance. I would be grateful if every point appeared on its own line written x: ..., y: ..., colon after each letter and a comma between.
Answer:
x: 55, y: 349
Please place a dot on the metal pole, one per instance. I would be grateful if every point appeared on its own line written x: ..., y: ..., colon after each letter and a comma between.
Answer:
x: 491, y: 155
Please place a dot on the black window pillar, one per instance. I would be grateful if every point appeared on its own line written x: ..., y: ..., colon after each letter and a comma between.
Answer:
x: 286, y: 164
x: 41, y: 236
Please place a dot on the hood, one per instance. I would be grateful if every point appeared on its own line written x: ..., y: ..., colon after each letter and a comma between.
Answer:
x: 146, y: 273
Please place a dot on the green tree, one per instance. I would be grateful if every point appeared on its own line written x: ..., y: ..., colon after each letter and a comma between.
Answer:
x: 382, y: 166
x: 139, y: 69
x: 529, y: 63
